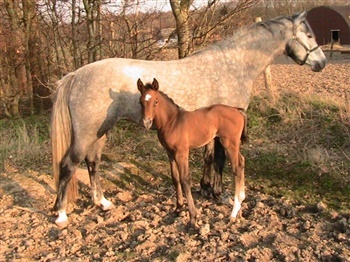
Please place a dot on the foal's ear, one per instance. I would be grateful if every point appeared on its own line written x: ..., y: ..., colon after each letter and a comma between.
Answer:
x: 155, y: 84
x: 140, y: 85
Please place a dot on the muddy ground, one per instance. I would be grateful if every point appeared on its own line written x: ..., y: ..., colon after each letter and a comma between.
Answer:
x: 142, y: 226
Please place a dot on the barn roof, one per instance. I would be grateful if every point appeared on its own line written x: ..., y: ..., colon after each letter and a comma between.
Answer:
x: 326, y: 20
x: 344, y: 11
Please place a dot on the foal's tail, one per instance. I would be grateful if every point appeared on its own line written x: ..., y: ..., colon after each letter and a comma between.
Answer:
x: 244, y: 136
x: 61, y: 132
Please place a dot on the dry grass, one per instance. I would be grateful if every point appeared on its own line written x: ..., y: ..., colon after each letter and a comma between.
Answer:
x: 24, y: 142
x: 301, y: 141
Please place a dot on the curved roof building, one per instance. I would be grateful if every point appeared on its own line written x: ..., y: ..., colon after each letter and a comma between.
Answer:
x: 330, y: 23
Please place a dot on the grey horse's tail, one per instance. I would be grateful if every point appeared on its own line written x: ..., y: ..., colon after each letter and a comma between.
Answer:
x: 244, y: 136
x: 61, y: 132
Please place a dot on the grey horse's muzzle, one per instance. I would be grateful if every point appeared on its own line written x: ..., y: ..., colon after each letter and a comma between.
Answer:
x: 147, y: 123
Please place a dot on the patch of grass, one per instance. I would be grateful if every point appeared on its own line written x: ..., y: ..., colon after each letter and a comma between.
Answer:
x: 24, y: 141
x: 304, y: 155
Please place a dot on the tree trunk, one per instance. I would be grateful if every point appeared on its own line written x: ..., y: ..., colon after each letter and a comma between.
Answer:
x: 90, y: 6
x: 181, y: 10
x: 131, y: 38
x: 17, y: 53
x: 99, y: 28
x: 75, y: 44
x: 28, y: 14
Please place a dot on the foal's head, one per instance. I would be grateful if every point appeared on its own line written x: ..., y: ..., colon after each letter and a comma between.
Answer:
x: 148, y: 101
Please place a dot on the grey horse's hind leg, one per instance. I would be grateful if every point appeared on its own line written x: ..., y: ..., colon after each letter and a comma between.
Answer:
x: 219, y: 163
x: 208, y: 155
x: 68, y: 167
x: 93, y: 161
x: 214, y: 154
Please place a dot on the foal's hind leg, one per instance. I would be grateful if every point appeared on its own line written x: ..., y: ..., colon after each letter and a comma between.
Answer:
x: 93, y: 160
x: 219, y: 163
x: 239, y: 185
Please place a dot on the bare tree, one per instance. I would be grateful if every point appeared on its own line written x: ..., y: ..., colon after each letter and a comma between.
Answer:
x: 29, y: 46
x: 75, y: 44
x: 93, y: 21
x: 216, y: 15
x: 201, y: 23
x: 132, y: 33
x: 181, y: 9
x: 16, y: 61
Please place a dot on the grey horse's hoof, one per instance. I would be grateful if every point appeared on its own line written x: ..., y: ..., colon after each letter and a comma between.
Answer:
x: 207, y: 192
x: 61, y: 223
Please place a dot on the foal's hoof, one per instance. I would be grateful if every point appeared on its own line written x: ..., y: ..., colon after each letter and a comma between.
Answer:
x: 192, y: 228
x: 237, y: 218
x: 107, y: 208
x: 233, y: 220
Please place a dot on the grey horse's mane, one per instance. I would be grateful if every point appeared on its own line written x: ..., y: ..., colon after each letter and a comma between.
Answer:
x: 238, y: 36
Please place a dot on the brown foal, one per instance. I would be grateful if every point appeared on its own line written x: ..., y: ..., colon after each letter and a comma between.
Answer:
x: 180, y: 130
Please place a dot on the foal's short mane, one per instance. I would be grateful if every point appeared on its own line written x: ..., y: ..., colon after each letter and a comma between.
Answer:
x: 150, y: 86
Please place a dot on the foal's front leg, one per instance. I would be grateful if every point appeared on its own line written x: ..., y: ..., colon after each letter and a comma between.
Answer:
x: 176, y: 181
x: 181, y: 158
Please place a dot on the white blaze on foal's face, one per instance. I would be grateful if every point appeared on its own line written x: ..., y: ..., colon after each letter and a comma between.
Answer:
x: 148, y: 97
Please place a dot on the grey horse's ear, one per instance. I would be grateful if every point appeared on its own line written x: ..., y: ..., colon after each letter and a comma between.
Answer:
x: 140, y: 85
x: 155, y: 84
x: 300, y: 18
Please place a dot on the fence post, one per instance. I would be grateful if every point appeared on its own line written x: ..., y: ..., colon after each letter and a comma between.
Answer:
x: 332, y: 46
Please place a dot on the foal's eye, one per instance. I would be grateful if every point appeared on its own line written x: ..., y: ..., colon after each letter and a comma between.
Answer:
x: 156, y: 102
x: 309, y: 35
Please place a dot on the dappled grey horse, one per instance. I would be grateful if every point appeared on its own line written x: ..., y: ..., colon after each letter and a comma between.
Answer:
x: 90, y: 100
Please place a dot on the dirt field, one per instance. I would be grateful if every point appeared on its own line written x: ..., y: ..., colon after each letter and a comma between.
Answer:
x: 142, y: 227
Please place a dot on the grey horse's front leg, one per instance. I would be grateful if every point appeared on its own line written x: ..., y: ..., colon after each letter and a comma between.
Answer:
x: 93, y: 161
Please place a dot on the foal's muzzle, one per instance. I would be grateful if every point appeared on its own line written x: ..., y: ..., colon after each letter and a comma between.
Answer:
x: 147, y: 123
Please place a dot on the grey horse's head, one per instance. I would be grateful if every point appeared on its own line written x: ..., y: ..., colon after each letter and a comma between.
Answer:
x: 302, y: 46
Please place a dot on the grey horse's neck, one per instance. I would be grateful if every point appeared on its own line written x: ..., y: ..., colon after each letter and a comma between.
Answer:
x: 257, y: 46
